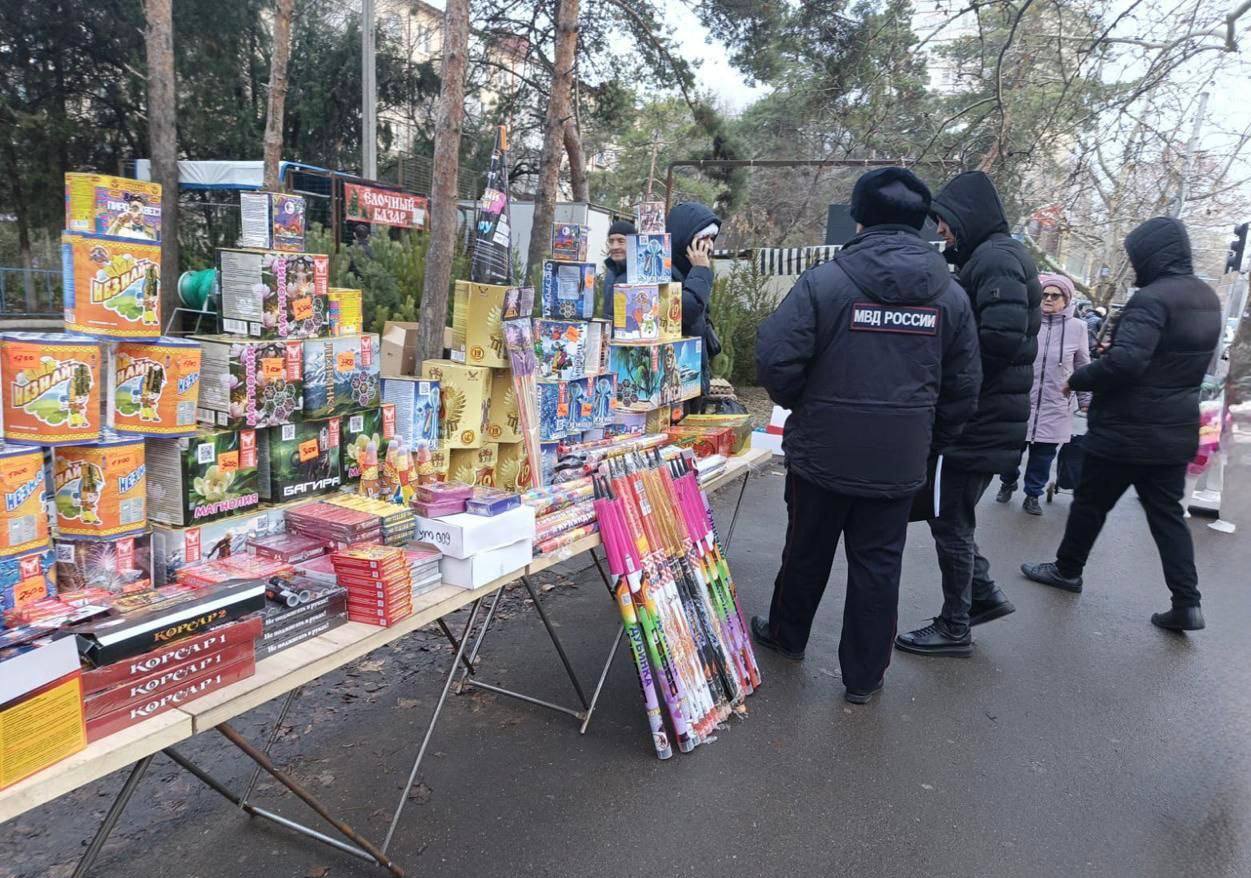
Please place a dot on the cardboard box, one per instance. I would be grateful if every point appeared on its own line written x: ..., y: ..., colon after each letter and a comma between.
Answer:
x: 417, y: 405
x: 652, y: 375
x: 171, y: 655
x: 356, y: 431
x: 560, y: 349
x: 474, y: 466
x: 670, y: 311
x: 118, y: 206
x: 704, y: 441
x: 549, y: 456
x: 271, y: 294
x: 297, y: 461
x: 568, y: 291
x: 23, y: 672
x: 553, y: 408
x: 100, y: 490
x: 341, y: 375
x: 487, y: 566
x: 272, y: 221
x: 503, y: 416
x: 570, y: 242
x: 112, y: 286
x: 51, y: 393
x: 23, y: 519
x: 649, y: 217
x: 299, y: 634
x: 347, y: 316
x: 440, y: 463
x: 27, y: 578
x: 598, y: 336
x: 464, y: 400
x: 142, y: 689
x: 41, y: 729
x: 476, y: 313
x: 117, y: 565
x: 654, y: 421
x: 740, y: 425
x: 636, y: 315
x: 512, y: 467
x: 463, y: 535
x: 194, y: 479
x: 175, y: 548
x: 154, y: 387
x: 245, y: 383
x: 649, y: 259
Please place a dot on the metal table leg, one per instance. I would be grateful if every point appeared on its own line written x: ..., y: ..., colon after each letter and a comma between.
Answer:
x: 110, y: 819
x: 269, y: 744
x: 729, y: 534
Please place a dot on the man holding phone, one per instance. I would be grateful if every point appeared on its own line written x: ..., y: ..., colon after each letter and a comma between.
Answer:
x: 693, y: 228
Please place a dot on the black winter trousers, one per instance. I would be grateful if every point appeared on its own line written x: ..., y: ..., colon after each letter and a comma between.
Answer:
x: 874, y: 531
x: 965, y: 572
x: 1160, y: 488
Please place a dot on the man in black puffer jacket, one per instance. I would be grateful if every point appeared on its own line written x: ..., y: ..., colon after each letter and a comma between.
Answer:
x: 875, y: 353
x: 1144, y: 417
x: 1001, y: 281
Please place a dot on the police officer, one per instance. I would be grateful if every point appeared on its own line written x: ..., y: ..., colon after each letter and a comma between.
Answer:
x: 875, y: 354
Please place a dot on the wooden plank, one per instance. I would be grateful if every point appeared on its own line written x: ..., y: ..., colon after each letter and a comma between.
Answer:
x: 103, y: 757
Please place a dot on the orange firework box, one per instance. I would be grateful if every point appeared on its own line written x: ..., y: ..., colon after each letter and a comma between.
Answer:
x: 112, y: 286
x: 100, y: 490
x: 51, y: 388
x: 154, y: 387
x: 23, y: 522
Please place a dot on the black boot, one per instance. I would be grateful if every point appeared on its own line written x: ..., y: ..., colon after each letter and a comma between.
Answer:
x: 1005, y: 492
x: 855, y: 696
x: 1032, y: 506
x: 1048, y: 574
x: 1179, y: 619
x: 935, y: 640
x: 989, y: 609
x: 760, y: 634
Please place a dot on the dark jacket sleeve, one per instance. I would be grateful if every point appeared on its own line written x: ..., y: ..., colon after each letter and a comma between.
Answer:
x: 961, y: 384
x: 696, y: 297
x: 1001, y: 299
x: 1137, y: 335
x: 786, y: 345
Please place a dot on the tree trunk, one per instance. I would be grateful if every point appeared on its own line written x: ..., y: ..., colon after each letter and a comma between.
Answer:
x: 577, y: 162
x: 163, y: 140
x: 554, y: 132
x: 443, y: 192
x: 277, y: 91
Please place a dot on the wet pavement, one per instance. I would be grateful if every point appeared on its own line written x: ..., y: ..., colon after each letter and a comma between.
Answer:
x: 1078, y: 740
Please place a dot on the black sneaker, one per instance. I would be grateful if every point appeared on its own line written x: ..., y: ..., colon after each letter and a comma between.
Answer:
x: 1032, y: 506
x: 934, y: 640
x: 1005, y: 493
x: 760, y: 634
x: 995, y: 607
x: 1179, y: 619
x: 1048, y: 574
x: 853, y: 696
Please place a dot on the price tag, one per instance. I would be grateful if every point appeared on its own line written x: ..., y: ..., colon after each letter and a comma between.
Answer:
x: 346, y: 362
x: 562, y: 409
x: 228, y: 461
x: 586, y: 409
x: 302, y: 308
x: 308, y: 450
x: 272, y: 368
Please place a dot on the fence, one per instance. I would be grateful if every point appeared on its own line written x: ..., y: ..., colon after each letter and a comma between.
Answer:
x: 30, y: 292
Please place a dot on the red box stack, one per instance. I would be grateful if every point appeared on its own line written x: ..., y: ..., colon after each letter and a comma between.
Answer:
x: 378, y: 583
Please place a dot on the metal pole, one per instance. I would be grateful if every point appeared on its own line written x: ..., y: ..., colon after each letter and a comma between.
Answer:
x: 551, y: 633
x: 369, y: 93
x: 1189, y: 164
x: 110, y: 819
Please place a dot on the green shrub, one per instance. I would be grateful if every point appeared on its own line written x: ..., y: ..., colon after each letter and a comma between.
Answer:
x: 740, y: 301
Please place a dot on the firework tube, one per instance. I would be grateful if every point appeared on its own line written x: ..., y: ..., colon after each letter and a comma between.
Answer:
x: 565, y: 538
x: 545, y: 500
x: 555, y: 522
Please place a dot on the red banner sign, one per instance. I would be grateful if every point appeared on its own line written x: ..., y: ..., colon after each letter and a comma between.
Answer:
x: 366, y: 204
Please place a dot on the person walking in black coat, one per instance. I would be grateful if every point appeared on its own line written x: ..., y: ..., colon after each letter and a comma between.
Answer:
x: 693, y: 228
x: 1144, y: 417
x: 1001, y: 281
x: 875, y: 353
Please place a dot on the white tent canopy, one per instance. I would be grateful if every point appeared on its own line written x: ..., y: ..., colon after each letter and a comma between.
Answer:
x: 217, y: 174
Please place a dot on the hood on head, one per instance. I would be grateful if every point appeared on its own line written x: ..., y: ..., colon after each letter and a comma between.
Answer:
x: 970, y: 205
x: 1159, y: 248
x: 685, y: 220
x: 1064, y: 285
x: 894, y: 266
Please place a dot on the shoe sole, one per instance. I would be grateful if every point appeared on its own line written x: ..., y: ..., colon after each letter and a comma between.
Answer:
x: 936, y: 652
x: 1178, y: 628
x: 1005, y: 609
x: 860, y: 698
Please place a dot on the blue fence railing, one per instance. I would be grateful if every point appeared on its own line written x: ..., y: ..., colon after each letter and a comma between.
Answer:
x: 30, y: 292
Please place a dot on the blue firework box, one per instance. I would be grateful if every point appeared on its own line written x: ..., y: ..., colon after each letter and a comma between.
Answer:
x: 26, y: 578
x: 560, y: 348
x: 649, y: 259
x: 568, y: 290
x: 341, y: 375
x: 416, y: 402
x: 653, y: 375
x: 553, y: 406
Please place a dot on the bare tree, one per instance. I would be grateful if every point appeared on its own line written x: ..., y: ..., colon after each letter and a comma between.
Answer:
x: 163, y: 139
x: 283, y: 12
x: 443, y: 195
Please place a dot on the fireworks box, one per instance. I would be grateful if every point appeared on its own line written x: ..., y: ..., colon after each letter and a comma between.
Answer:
x: 357, y: 430
x: 172, y: 655
x: 503, y: 416
x: 560, y: 347
x: 272, y: 221
x: 298, y: 460
x: 512, y: 467
x: 491, y: 502
x: 649, y: 217
x: 598, y: 335
x: 115, y: 206
x: 549, y: 456
x: 298, y: 634
x: 444, y: 491
x: 43, y: 726
x: 652, y: 375
x: 704, y: 441
x: 553, y: 408
x: 194, y: 479
x: 271, y: 294
x: 649, y: 259
x: 154, y: 387
x: 339, y: 524
x: 245, y: 383
x: 118, y: 564
x: 184, y: 613
x: 27, y: 578
x: 340, y: 375
x: 418, y: 404
x: 568, y: 291
x: 474, y: 466
x: 488, y: 565
x: 324, y: 602
x: 654, y: 421
x: 463, y: 535
x: 288, y: 548
x: 570, y: 242
x: 23, y: 519
x: 464, y: 400
x: 476, y: 313
x: 51, y: 393
x: 112, y: 286
x: 740, y: 425
x: 636, y: 313
x: 347, y: 316
x: 176, y: 548
x: 100, y: 490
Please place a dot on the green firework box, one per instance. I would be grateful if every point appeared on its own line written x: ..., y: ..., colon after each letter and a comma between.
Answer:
x: 357, y: 430
x: 199, y: 478
x: 298, y: 460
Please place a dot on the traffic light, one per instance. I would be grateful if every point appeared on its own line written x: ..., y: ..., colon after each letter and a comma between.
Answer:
x: 1233, y: 262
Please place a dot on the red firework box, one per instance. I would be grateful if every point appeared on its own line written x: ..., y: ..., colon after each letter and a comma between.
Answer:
x: 225, y: 637
x: 704, y: 441
x: 378, y: 583
x: 289, y: 548
x: 235, y: 567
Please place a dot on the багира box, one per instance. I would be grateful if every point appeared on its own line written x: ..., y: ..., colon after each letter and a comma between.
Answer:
x: 341, y: 375
x: 100, y: 490
x: 245, y: 383
x: 568, y: 290
x: 464, y: 399
x: 476, y: 313
x: 652, y: 375
x: 176, y: 547
x: 649, y: 259
x: 417, y: 405
x: 112, y: 286
x: 117, y: 206
x: 357, y: 430
x: 193, y: 479
x: 298, y: 460
x: 271, y: 294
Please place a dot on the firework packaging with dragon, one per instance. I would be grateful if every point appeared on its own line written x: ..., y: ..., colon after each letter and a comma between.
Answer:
x: 112, y: 286
x: 100, y: 490
x: 51, y: 388
x: 298, y: 460
x: 417, y: 406
x: 271, y: 294
x: 154, y: 387
x: 114, y: 206
x: 464, y: 401
x: 116, y: 565
x: 357, y: 430
x: 477, y: 310
x: 198, y: 478
x: 23, y: 519
x: 341, y: 375
x: 246, y: 383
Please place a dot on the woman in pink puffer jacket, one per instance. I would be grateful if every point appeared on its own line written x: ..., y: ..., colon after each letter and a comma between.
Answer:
x: 1062, y: 349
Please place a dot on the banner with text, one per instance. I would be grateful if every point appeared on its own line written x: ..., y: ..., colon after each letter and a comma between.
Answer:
x: 366, y: 204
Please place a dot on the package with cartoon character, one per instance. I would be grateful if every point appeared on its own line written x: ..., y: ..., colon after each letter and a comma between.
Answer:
x: 560, y: 349
x: 570, y: 242
x: 51, y: 390
x: 341, y: 375
x: 154, y: 387
x: 636, y: 313
x: 568, y: 290
x: 271, y: 294
x: 298, y: 460
x: 464, y: 402
x: 176, y: 547
x: 100, y: 490
x: 23, y: 518
x: 245, y: 383
x: 112, y: 286
x: 117, y: 206
x: 651, y: 375
x: 357, y: 430
x: 117, y: 564
x: 193, y: 479
x: 649, y: 259
x: 27, y: 578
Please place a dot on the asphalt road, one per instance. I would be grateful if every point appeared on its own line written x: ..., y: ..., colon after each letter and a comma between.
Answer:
x: 1078, y: 741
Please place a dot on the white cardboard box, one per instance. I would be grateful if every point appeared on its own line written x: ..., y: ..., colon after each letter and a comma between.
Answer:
x: 463, y: 535
x: 488, y: 565
x: 27, y: 671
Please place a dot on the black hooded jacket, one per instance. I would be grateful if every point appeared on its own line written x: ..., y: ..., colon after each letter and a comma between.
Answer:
x: 1145, y: 408
x: 875, y: 354
x: 685, y: 220
x: 614, y: 273
x: 1002, y: 283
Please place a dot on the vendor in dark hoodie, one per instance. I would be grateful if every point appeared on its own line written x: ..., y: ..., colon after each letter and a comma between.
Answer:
x: 614, y: 263
x: 692, y: 229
